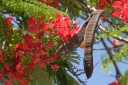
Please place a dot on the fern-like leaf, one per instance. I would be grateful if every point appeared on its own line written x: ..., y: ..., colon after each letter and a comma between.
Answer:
x: 31, y: 8
x: 123, y: 80
x: 123, y: 52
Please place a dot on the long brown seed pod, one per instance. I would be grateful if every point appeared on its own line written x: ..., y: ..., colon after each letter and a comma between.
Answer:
x: 74, y: 41
x: 88, y: 42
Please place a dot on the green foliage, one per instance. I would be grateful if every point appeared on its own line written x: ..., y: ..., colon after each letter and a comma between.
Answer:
x: 118, y: 31
x: 31, y: 8
x: 63, y: 78
x: 123, y: 52
x: 74, y: 8
x: 40, y: 77
x: 93, y: 2
x: 106, y: 62
x: 111, y: 31
x: 2, y: 30
x: 123, y: 80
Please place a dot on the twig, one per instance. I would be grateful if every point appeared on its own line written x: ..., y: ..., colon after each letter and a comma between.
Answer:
x: 92, y: 9
x: 76, y: 74
x: 111, y: 57
x: 115, y: 36
x: 69, y: 7
x: 109, y: 48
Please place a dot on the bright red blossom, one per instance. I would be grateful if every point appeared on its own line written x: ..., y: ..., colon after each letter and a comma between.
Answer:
x: 103, y: 3
x: 18, y: 66
x: 52, y: 3
x: 33, y: 51
x: 121, y: 9
x: 7, y: 82
x: 36, y: 26
x: 23, y: 82
x: 8, y: 20
x: 55, y: 66
x: 50, y: 43
x: 114, y: 83
x: 114, y: 42
x: 31, y: 65
x: 1, y: 52
x: 63, y: 25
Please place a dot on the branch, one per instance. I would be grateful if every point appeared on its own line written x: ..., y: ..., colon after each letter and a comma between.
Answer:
x: 92, y: 9
x: 76, y: 74
x: 109, y: 48
x: 115, y: 36
x: 111, y: 57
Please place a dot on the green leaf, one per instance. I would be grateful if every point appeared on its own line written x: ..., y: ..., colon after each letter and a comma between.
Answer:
x: 123, y: 51
x: 31, y: 8
x: 40, y: 77
x: 123, y: 80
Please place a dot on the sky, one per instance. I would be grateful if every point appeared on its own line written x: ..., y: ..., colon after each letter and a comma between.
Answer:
x: 99, y: 77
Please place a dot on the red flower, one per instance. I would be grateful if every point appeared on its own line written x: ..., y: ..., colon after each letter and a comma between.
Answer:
x: 31, y: 65
x: 18, y: 66
x: 55, y: 66
x: 121, y: 10
x: 6, y: 69
x: 36, y: 26
x: 52, y: 3
x: 114, y: 42
x: 8, y: 20
x: 28, y: 42
x: 118, y: 5
x: 7, y: 34
x: 50, y: 43
x: 1, y: 76
x: 62, y: 24
x: 7, y: 82
x: 55, y: 56
x: 116, y: 14
x: 23, y: 82
x: 102, y: 3
x: 17, y: 75
x: 18, y: 46
x: 33, y: 29
x: 31, y: 21
x: 1, y: 53
x: 114, y: 83
x: 82, y: 46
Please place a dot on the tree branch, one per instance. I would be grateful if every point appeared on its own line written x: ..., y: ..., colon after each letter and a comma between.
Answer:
x: 111, y: 57
x: 76, y: 74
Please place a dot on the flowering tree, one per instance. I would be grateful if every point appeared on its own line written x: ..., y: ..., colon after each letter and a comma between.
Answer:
x: 33, y: 30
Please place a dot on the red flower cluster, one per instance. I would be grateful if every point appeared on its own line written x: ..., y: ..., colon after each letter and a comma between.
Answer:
x: 114, y: 83
x: 121, y: 9
x: 52, y: 3
x: 103, y: 3
x: 63, y: 27
x: 34, y: 52
x: 55, y: 66
x: 8, y: 21
x: 36, y: 26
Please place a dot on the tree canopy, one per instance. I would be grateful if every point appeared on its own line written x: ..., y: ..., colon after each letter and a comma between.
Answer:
x: 33, y: 30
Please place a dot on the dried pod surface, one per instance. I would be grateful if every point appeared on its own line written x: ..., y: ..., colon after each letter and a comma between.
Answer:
x: 88, y: 42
